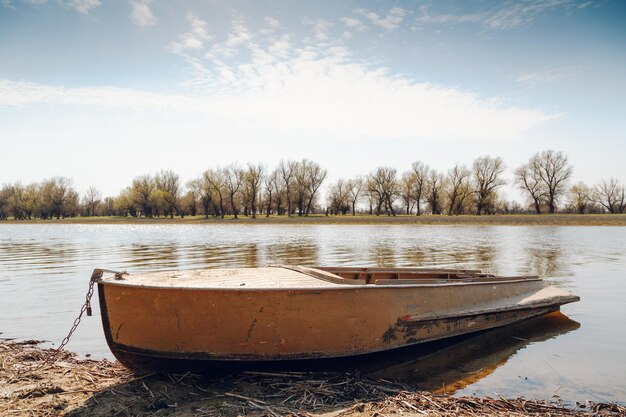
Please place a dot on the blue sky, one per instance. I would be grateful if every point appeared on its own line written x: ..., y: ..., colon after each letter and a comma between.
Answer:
x: 103, y: 91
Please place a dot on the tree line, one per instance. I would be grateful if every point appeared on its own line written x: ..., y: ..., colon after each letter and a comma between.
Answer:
x: 293, y: 188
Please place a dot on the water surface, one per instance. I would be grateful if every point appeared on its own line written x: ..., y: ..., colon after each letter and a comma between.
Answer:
x: 44, y: 272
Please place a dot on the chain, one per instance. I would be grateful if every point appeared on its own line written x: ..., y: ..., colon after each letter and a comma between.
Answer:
x: 86, y: 308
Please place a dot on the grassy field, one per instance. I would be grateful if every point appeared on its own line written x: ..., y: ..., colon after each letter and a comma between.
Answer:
x: 507, y: 220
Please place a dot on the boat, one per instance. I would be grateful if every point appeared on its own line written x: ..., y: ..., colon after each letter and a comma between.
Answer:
x: 190, y: 319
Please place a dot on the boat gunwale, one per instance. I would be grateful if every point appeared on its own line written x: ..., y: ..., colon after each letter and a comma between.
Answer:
x: 332, y: 287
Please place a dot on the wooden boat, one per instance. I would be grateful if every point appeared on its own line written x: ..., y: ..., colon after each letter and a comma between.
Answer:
x: 175, y: 319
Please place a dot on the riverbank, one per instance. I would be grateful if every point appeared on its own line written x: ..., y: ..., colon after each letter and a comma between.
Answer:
x: 82, y: 387
x: 362, y: 219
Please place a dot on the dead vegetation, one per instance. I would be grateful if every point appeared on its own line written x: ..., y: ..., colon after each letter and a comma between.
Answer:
x: 73, y: 387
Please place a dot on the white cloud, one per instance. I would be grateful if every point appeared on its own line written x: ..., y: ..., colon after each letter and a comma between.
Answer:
x: 549, y: 75
x: 280, y: 47
x: 141, y: 14
x: 318, y: 92
x: 391, y: 21
x: 522, y: 13
x: 238, y: 37
x: 320, y: 28
x: 503, y: 16
x: 194, y: 39
x: 446, y: 19
x: 84, y: 6
x: 271, y: 24
x: 353, y: 23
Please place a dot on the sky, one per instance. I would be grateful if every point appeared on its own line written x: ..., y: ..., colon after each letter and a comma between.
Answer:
x: 104, y: 91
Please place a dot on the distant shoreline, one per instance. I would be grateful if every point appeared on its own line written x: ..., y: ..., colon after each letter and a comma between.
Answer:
x: 470, y: 220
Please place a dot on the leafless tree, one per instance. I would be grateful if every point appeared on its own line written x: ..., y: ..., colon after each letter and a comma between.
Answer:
x: 301, y: 179
x: 355, y: 188
x: 252, y: 178
x: 338, y: 199
x: 435, y: 187
x: 420, y: 179
x: 527, y: 179
x: 553, y: 170
x: 316, y: 176
x: 286, y: 170
x: 382, y: 185
x: 486, y: 172
x: 406, y: 191
x: 215, y: 181
x: 91, y: 200
x: 610, y: 194
x: 458, y: 189
x: 233, y: 176
x: 108, y: 206
x: 270, y: 184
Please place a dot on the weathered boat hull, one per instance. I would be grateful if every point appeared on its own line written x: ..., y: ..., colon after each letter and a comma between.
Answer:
x: 161, y: 328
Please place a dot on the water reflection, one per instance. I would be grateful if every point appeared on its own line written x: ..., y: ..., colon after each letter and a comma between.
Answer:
x: 163, y: 255
x: 145, y: 250
x: 44, y: 271
x: 304, y: 252
x: 480, y: 256
x: 448, y: 366
x: 383, y: 253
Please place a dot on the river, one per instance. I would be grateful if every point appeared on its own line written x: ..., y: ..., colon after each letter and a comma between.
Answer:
x: 44, y: 272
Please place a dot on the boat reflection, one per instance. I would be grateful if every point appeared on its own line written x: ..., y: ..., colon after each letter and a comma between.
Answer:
x: 451, y: 365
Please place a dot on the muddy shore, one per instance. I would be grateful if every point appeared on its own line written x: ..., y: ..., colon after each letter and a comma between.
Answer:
x: 32, y: 384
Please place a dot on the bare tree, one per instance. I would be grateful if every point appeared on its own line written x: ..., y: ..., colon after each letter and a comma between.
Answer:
x: 286, y: 170
x: 406, y: 191
x: 486, y: 172
x: 610, y: 194
x: 355, y: 188
x: 338, y: 197
x: 435, y: 186
x: 459, y: 188
x: 215, y: 181
x: 527, y: 179
x: 252, y: 178
x: 233, y: 176
x: 91, y: 200
x: 420, y: 180
x: 553, y: 170
x: 108, y: 207
x: 580, y: 196
x: 382, y: 185
x: 316, y: 176
x: 270, y: 184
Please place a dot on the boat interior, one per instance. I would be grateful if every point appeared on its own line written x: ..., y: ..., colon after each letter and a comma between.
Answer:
x: 400, y: 276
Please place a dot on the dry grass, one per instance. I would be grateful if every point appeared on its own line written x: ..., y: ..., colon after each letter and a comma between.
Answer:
x: 73, y: 387
x: 495, y: 220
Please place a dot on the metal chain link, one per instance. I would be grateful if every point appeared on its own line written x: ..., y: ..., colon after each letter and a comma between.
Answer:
x: 86, y: 307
